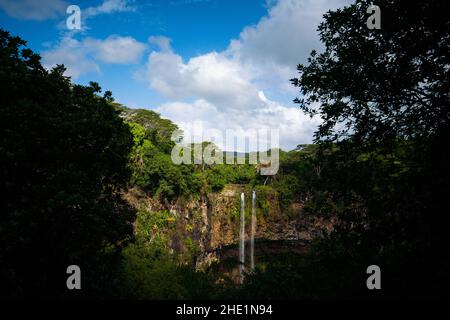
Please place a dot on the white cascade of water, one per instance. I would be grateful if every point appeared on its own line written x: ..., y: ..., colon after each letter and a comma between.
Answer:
x: 252, y: 233
x: 242, y: 239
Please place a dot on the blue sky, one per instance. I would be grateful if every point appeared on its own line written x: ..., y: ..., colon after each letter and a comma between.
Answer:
x: 205, y: 64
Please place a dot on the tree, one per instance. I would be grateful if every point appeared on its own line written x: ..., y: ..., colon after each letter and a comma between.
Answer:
x: 63, y: 160
x: 383, y: 96
x: 379, y: 84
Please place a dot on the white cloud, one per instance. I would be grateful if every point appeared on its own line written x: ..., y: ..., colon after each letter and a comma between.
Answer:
x: 227, y: 88
x: 274, y: 47
x: 110, y: 6
x: 199, y: 116
x: 106, y: 7
x: 34, y: 10
x: 51, y: 9
x: 73, y: 55
x: 286, y: 35
x: 163, y: 43
x: 224, y: 98
x: 211, y: 77
x: 218, y: 90
x: 84, y: 56
x: 115, y: 49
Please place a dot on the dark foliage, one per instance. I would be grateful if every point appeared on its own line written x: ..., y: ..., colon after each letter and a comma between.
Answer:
x: 384, y: 98
x: 63, y: 158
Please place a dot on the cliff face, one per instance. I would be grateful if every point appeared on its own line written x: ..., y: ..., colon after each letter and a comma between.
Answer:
x: 205, y: 225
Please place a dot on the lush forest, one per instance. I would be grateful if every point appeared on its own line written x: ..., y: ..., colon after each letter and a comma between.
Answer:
x: 69, y: 154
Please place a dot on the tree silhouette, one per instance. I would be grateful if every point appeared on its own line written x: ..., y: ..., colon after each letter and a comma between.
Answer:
x: 63, y: 160
x: 383, y: 96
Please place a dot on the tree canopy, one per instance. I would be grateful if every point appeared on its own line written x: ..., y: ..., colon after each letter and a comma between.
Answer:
x: 383, y: 96
x: 63, y: 158
x: 380, y: 83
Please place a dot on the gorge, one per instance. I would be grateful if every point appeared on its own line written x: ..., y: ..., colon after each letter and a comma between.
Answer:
x: 222, y: 226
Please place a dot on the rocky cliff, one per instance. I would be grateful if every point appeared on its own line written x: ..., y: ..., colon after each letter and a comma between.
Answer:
x: 204, y: 225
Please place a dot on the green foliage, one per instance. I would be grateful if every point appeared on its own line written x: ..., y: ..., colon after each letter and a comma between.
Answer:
x: 153, y: 170
x: 379, y: 166
x: 298, y: 176
x: 155, y: 227
x: 235, y: 212
x: 385, y: 176
x: 189, y: 227
x: 150, y: 272
x: 221, y: 174
x: 158, y: 130
x: 192, y: 247
x: 328, y: 271
x: 149, y: 269
x: 264, y: 199
x: 379, y: 84
x: 63, y: 159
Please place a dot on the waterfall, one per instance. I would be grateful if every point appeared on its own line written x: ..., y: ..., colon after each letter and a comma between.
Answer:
x: 241, y: 239
x: 252, y: 233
